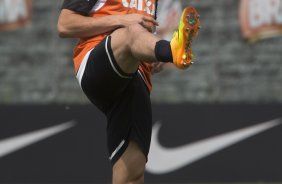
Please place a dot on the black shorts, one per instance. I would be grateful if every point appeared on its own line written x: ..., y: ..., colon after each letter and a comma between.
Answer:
x: 123, y: 98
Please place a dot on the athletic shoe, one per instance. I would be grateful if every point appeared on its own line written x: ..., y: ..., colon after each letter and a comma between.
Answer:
x: 181, y: 42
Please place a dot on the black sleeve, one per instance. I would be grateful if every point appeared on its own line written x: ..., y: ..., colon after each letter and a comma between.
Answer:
x: 82, y: 7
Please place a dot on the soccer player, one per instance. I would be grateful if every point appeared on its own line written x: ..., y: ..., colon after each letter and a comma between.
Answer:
x: 113, y: 61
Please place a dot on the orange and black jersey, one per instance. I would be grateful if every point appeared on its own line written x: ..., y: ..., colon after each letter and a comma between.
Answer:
x: 98, y: 8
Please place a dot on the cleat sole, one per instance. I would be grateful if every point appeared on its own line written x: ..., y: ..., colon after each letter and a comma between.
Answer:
x: 182, y: 43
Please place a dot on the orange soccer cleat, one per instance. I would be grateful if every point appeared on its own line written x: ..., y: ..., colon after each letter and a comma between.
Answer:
x: 181, y: 42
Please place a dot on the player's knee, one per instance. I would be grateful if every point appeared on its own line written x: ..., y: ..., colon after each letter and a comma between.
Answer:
x: 135, y: 175
x: 136, y: 168
x: 128, y: 176
x: 134, y: 30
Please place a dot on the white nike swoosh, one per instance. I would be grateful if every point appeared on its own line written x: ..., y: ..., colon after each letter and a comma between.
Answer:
x: 12, y: 144
x: 163, y: 160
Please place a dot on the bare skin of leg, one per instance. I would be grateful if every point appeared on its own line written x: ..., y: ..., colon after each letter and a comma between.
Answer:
x: 131, y: 45
x: 130, y: 168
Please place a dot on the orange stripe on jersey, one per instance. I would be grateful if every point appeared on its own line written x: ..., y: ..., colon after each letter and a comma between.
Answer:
x: 146, y: 69
x: 115, y: 7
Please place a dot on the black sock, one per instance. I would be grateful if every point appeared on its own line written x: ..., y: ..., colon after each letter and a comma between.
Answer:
x: 163, y: 51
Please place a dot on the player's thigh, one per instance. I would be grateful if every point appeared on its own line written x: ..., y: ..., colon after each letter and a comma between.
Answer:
x: 131, y: 165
